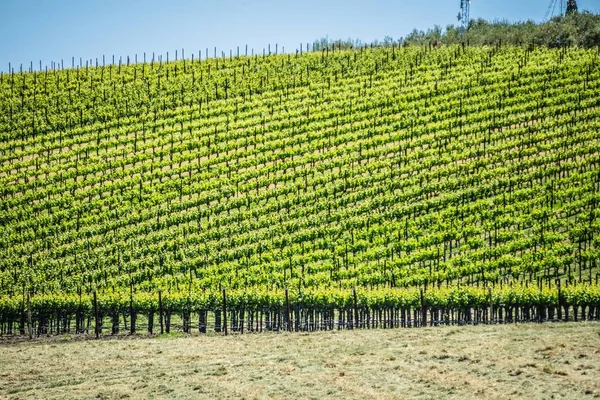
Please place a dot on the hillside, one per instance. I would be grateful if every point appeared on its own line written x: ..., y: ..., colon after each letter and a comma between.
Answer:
x: 389, y: 170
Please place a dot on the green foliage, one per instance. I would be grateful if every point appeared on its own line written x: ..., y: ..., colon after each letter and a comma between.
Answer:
x: 576, y: 29
x: 385, y: 169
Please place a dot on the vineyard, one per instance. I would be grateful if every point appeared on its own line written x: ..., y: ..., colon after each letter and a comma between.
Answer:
x: 373, y: 187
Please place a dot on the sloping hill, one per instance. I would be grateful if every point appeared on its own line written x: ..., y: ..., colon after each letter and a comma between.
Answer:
x: 376, y: 168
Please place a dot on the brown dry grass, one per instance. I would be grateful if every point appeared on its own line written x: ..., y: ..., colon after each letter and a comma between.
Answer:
x: 511, y: 361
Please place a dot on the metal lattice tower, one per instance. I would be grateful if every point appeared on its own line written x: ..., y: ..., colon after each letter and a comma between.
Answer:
x: 571, y: 7
x: 463, y: 15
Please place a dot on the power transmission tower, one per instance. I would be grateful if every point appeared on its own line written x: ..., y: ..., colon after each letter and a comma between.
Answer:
x: 571, y: 7
x: 464, y: 15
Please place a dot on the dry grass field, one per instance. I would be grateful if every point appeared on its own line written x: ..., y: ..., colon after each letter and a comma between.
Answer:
x: 511, y: 361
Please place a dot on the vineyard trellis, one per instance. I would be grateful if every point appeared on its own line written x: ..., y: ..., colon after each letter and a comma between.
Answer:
x: 308, y: 311
x: 388, y: 170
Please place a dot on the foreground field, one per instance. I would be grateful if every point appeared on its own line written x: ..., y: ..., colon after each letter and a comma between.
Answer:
x: 509, y: 361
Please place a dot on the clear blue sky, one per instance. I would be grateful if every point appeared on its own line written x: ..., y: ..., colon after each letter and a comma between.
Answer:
x: 51, y: 30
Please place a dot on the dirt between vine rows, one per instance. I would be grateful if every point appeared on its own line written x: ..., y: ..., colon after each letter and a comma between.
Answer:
x: 560, y: 360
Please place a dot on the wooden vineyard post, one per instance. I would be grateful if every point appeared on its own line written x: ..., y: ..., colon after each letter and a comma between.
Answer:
x: 287, y: 310
x: 151, y: 322
x: 97, y: 321
x: 160, y: 312
x: 131, y: 310
x: 224, y: 311
x: 202, y: 321
x: 491, y: 315
x: 218, y: 324
x: 355, y: 324
x: 79, y: 316
x: 23, y: 319
x: 423, y: 309
x: 29, y: 324
x: 559, y: 314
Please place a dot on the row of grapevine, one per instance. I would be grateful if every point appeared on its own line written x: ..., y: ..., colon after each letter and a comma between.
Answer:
x: 308, y: 310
